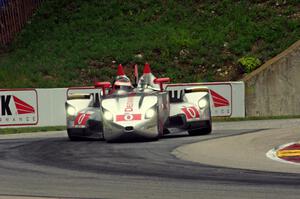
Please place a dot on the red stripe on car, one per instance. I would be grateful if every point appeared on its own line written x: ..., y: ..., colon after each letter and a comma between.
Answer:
x: 129, y: 105
x: 128, y: 117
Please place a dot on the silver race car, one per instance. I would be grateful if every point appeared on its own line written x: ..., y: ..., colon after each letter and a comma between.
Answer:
x: 146, y: 110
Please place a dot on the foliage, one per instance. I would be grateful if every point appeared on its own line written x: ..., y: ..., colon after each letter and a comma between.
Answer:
x: 74, y: 42
x: 4, y: 131
x: 249, y: 63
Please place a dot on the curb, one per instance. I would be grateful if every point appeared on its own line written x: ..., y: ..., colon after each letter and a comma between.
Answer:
x: 286, y: 153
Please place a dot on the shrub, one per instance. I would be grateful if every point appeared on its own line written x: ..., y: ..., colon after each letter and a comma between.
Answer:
x: 249, y: 63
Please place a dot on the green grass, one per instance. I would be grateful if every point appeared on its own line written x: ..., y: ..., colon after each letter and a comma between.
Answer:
x: 4, y: 131
x: 73, y: 42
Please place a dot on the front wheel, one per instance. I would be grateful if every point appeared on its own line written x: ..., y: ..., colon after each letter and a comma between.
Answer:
x: 72, y: 137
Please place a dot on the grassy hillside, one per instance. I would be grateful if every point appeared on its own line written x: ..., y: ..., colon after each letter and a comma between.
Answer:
x: 74, y: 42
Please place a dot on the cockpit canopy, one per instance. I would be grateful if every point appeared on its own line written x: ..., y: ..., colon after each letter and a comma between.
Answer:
x: 122, y: 84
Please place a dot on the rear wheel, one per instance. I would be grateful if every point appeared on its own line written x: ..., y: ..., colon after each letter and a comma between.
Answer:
x: 202, y: 131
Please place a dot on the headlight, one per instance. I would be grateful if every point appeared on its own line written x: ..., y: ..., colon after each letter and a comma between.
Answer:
x: 71, y: 111
x: 202, y: 103
x: 150, y: 113
x: 108, y: 115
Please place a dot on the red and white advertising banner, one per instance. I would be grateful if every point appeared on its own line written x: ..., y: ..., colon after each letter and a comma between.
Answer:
x: 46, y: 107
x: 18, y: 107
x: 220, y: 99
x: 226, y: 98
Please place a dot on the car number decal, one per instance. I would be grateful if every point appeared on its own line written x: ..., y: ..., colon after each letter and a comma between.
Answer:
x: 81, y: 119
x: 191, y: 112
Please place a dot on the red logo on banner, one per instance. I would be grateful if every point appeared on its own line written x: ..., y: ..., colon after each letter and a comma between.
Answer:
x: 18, y: 107
x: 22, y: 107
x: 81, y: 119
x: 218, y: 99
x: 128, y: 117
x: 191, y: 112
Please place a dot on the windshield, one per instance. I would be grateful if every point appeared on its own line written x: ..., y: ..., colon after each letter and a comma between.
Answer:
x: 124, y: 88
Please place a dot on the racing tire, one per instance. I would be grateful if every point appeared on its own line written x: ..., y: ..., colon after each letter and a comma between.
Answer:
x: 71, y: 137
x: 203, y: 131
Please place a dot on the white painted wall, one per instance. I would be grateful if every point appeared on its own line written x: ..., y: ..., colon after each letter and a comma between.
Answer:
x: 51, y: 106
x: 46, y: 107
x: 238, y: 99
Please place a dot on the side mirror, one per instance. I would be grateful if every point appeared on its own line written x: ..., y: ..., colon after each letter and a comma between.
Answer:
x: 103, y: 85
x: 161, y: 81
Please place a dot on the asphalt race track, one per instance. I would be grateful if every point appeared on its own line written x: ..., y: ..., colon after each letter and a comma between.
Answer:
x: 49, y: 165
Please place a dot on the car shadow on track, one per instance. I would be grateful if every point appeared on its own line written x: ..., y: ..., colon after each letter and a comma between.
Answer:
x: 176, y: 135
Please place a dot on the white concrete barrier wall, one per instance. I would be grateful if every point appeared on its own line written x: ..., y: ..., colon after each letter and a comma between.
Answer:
x: 52, y: 107
x: 46, y: 107
x: 238, y: 99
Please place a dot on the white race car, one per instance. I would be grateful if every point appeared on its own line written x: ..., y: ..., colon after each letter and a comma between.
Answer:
x: 146, y: 110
